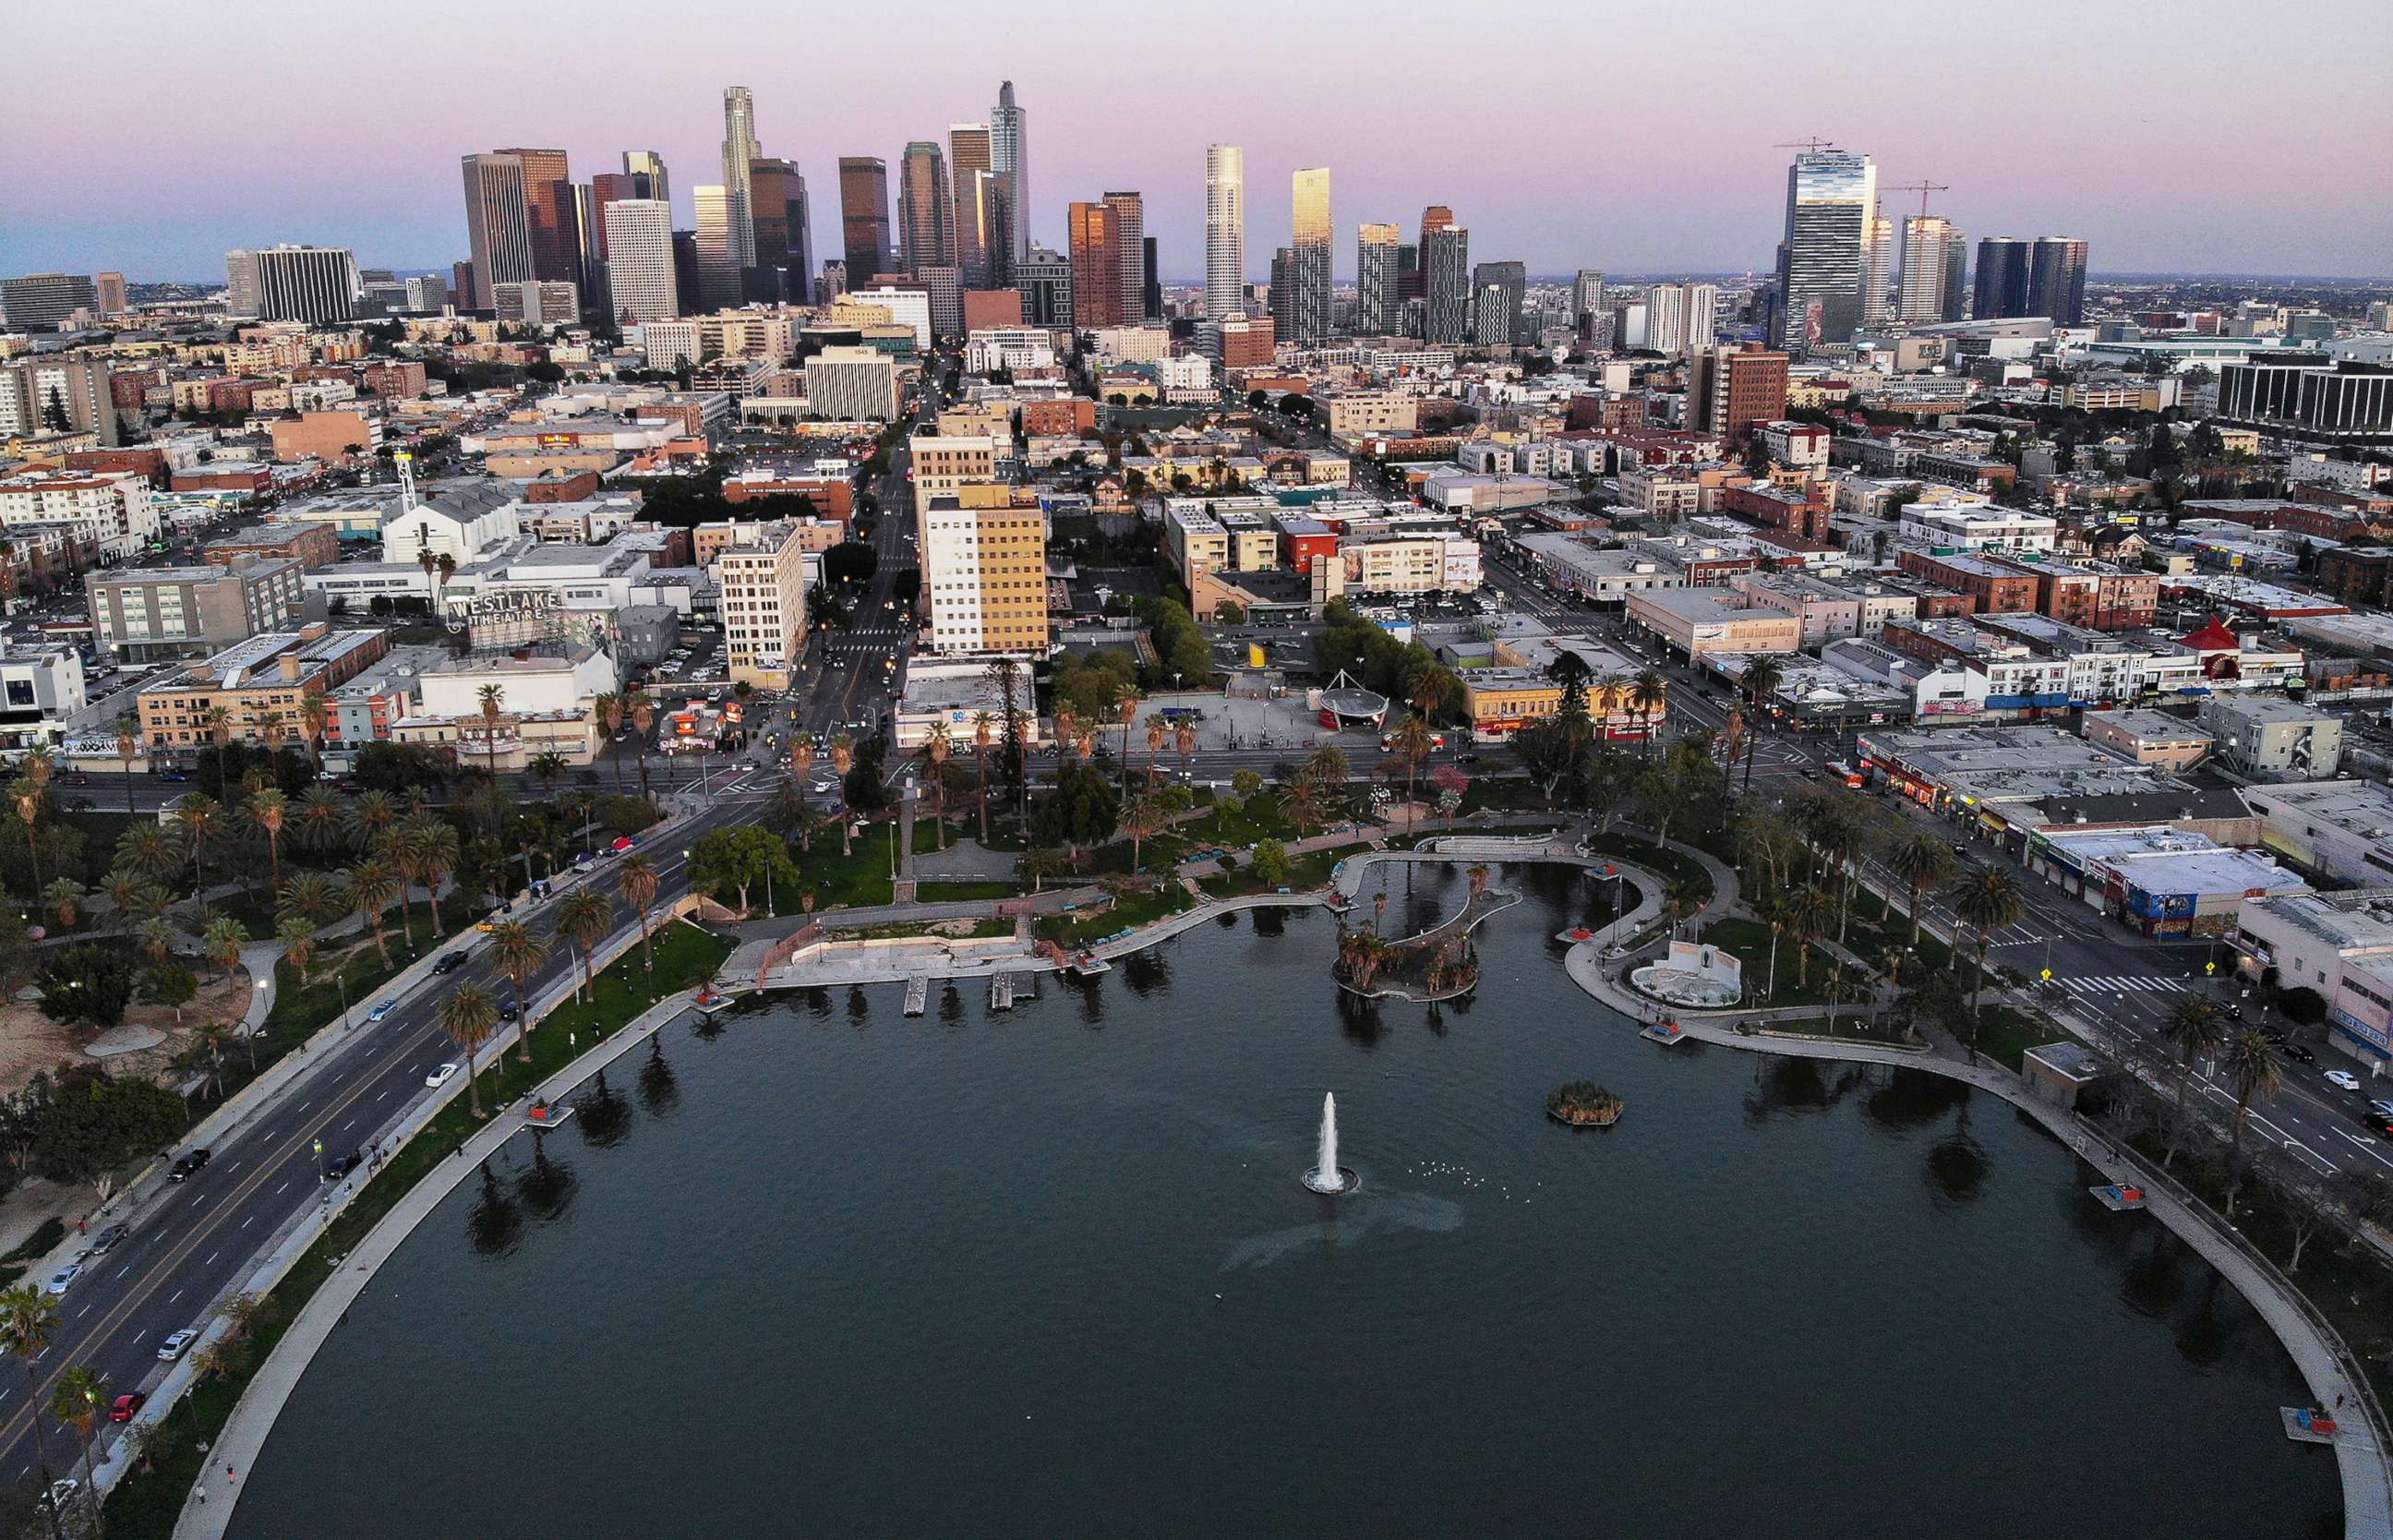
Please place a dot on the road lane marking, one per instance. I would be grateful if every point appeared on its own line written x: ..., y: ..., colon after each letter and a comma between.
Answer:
x: 212, y: 1258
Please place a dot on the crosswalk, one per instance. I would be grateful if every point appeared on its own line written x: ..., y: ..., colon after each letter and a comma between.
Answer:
x: 2124, y: 983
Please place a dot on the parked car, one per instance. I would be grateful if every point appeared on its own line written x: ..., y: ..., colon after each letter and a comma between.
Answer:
x: 449, y: 962
x: 110, y: 1239
x: 123, y: 1406
x: 62, y: 1279
x: 441, y: 1075
x: 382, y: 1009
x: 2381, y: 1108
x: 192, y: 1161
x: 335, y: 1169
x: 2342, y: 1079
x: 178, y: 1343
x: 61, y: 1494
x: 2298, y: 1053
x: 510, y: 1008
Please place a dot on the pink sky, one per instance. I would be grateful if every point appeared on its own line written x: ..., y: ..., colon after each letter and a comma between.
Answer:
x: 1631, y: 136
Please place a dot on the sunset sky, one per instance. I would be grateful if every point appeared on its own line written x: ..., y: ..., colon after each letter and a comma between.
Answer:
x: 1628, y: 136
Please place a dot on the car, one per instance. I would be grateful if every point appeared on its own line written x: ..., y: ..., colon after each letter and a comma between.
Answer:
x: 335, y: 1169
x: 62, y: 1279
x: 449, y: 962
x: 110, y: 1239
x: 178, y: 1343
x: 2298, y: 1053
x: 2381, y: 1108
x: 510, y: 1008
x: 441, y: 1075
x: 123, y: 1406
x: 2342, y: 1079
x: 382, y: 1009
x: 173, y: 775
x: 192, y: 1161
x: 622, y: 843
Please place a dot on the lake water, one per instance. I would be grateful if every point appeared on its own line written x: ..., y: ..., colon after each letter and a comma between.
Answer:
x: 833, y: 1271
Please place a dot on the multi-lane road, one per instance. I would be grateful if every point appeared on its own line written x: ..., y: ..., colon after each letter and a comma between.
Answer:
x: 191, y: 1241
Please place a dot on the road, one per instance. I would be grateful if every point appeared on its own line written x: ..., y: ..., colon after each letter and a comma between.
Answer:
x: 193, y: 1241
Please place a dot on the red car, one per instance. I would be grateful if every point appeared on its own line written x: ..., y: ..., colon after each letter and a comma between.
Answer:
x: 123, y: 1408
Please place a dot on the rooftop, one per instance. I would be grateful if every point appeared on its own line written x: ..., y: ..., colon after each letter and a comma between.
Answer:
x: 2150, y: 726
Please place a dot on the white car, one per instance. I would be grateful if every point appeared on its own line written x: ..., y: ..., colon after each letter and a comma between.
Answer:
x: 2342, y: 1079
x: 177, y: 1344
x: 382, y: 1009
x: 442, y: 1075
x: 62, y: 1279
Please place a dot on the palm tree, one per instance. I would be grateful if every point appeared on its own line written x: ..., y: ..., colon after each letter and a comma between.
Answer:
x: 1986, y: 902
x: 1919, y: 861
x: 1327, y: 765
x: 1300, y: 799
x: 62, y: 895
x: 548, y: 767
x: 315, y: 714
x: 268, y: 809
x: 843, y: 759
x: 320, y: 812
x: 1813, y: 906
x: 519, y: 950
x: 1158, y: 730
x: 644, y: 716
x: 1126, y: 707
x: 802, y: 765
x: 609, y: 706
x: 222, y: 941
x: 1647, y: 694
x: 128, y: 748
x: 199, y: 820
x: 407, y: 849
x: 1141, y: 816
x: 584, y: 919
x: 373, y: 884
x: 298, y: 938
x: 28, y: 1319
x: 935, y: 747
x: 369, y: 817
x: 157, y: 936
x: 490, y: 695
x: 439, y: 858
x: 2252, y: 1067
x: 1759, y: 682
x: 76, y: 1400
x: 218, y: 720
x: 984, y: 727
x: 1412, y: 741
x: 468, y: 1014
x: 639, y: 876
x: 26, y: 792
x: 308, y: 895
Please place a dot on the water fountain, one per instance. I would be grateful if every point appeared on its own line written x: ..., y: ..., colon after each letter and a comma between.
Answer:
x: 1327, y: 1177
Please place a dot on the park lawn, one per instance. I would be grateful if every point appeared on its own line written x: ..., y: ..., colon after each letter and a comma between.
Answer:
x: 1665, y: 863
x: 1749, y: 941
x: 1500, y: 793
x: 926, y: 831
x: 1852, y: 1025
x: 49, y: 1232
x: 147, y: 1502
x: 2005, y: 1033
x: 836, y: 879
x: 1084, y: 926
x: 982, y: 929
x: 956, y: 893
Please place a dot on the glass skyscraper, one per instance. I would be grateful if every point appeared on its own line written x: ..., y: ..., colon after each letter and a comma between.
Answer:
x: 1309, y: 306
x: 1225, y: 230
x: 1824, y: 263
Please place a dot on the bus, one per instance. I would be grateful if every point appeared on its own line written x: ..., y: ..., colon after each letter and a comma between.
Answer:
x: 1840, y: 770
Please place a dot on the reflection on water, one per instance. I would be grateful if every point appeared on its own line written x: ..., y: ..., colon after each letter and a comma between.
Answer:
x: 660, y: 1092
x: 1147, y: 972
x: 494, y: 1223
x: 547, y: 1186
x: 1956, y: 1169
x: 1914, y: 1099
x: 1347, y: 1223
x: 602, y: 1114
x: 859, y: 1006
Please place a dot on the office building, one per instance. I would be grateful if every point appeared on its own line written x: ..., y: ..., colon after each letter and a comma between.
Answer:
x: 2002, y: 282
x: 649, y: 178
x: 427, y: 293
x: 1729, y: 390
x: 1225, y: 230
x: 1044, y: 281
x: 315, y: 284
x: 1499, y: 289
x: 1678, y: 317
x: 540, y: 304
x: 985, y: 573
x: 1097, y: 268
x: 1376, y: 279
x: 1877, y: 300
x: 2057, y: 279
x: 1931, y: 270
x: 46, y: 302
x: 2310, y: 396
x: 1587, y: 300
x: 984, y: 236
x: 241, y: 283
x: 945, y: 286
x: 46, y: 392
x: 1309, y: 310
x: 1822, y: 260
x: 144, y: 615
x: 864, y: 218
x: 109, y: 290
x: 782, y: 269
x: 1279, y: 293
x: 1446, y: 277
x: 1009, y: 159
x: 926, y: 222
x: 740, y: 152
x: 498, y: 226
x: 554, y: 215
x: 1127, y: 228
x: 639, y: 260
x: 1150, y: 288
x: 969, y: 160
x: 764, y: 585
x: 718, y: 269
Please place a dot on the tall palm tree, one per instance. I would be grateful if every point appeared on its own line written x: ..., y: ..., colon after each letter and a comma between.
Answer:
x: 519, y: 950
x: 298, y: 938
x: 1761, y: 681
x: 1919, y: 860
x: 319, y: 814
x: 2252, y: 1068
x: 373, y: 884
x: 27, y: 1320
x: 983, y: 728
x: 1299, y: 799
x: 637, y: 874
x: 199, y: 820
x: 267, y: 810
x: 547, y: 767
x: 369, y: 817
x: 76, y: 1400
x: 1985, y: 902
x: 439, y: 859
x: 149, y: 851
x: 1141, y: 816
x: 218, y: 720
x: 1814, y: 905
x: 1126, y: 707
x: 407, y: 848
x: 309, y: 896
x: 315, y: 714
x: 934, y: 750
x: 128, y: 748
x: 583, y: 919
x: 1412, y: 740
x: 1158, y: 730
x: 842, y: 760
x: 644, y: 716
x: 2195, y: 1028
x: 609, y: 706
x: 468, y: 1014
x: 802, y: 765
x: 1647, y: 694
x: 222, y: 941
x: 490, y: 695
x: 26, y: 794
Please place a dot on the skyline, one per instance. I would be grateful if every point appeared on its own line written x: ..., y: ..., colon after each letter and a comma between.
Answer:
x: 1546, y: 161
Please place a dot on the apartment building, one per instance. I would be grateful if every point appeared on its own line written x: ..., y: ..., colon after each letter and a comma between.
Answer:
x: 258, y: 683
x: 984, y: 574
x: 1350, y: 414
x: 943, y: 465
x: 763, y: 598
x: 113, y: 511
x: 145, y: 615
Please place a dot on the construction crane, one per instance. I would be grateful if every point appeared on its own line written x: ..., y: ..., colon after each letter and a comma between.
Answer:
x: 1804, y: 144
x: 1923, y: 189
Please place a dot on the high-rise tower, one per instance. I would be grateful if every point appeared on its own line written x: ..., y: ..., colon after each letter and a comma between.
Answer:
x: 864, y: 216
x: 2056, y: 280
x: 1096, y: 267
x: 1009, y: 158
x: 1376, y: 249
x: 1931, y: 249
x: 1309, y: 306
x: 1445, y: 276
x: 497, y: 227
x: 1824, y: 263
x: 1225, y: 230
x: 926, y: 221
x: 739, y: 148
x: 970, y: 160
x: 555, y: 222
x: 1129, y: 231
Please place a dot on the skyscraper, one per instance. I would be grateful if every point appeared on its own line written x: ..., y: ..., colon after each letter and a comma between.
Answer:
x: 1445, y: 276
x: 1280, y: 297
x: 2056, y: 280
x: 315, y: 284
x: 1587, y: 300
x: 739, y: 149
x: 1308, y: 308
x: 926, y: 221
x: 1129, y: 232
x: 240, y: 284
x: 1044, y: 281
x: 555, y: 223
x: 1878, y: 278
x: 1225, y: 230
x: 1009, y: 157
x: 46, y: 302
x: 864, y: 218
x: 2002, y: 279
x: 1497, y: 290
x: 1150, y: 288
x: 718, y: 269
x: 1823, y: 263
x: 1678, y: 317
x: 639, y: 259
x: 777, y: 195
x: 1097, y: 268
x: 969, y: 158
x: 647, y: 169
x: 1376, y: 251
x: 1930, y: 248
x: 498, y: 226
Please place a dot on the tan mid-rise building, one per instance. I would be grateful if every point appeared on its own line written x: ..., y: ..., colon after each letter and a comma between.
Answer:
x: 765, y: 604
x: 985, y: 578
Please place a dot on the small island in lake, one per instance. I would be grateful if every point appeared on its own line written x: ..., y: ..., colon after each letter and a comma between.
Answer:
x: 1584, y: 1103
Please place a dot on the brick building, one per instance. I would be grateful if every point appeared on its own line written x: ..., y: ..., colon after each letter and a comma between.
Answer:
x: 1998, y: 587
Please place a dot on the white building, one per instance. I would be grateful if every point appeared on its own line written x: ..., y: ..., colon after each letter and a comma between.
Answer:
x: 906, y: 306
x: 1011, y: 348
x: 1978, y: 526
x: 1132, y: 344
x: 113, y: 509
x: 461, y: 525
x: 639, y: 260
x: 2342, y: 830
x: 2339, y: 946
x: 852, y: 385
x: 41, y: 687
x: 667, y: 344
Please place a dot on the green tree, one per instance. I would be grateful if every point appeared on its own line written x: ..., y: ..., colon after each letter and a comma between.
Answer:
x: 519, y: 950
x: 1271, y: 863
x: 1986, y: 901
x: 583, y: 919
x: 27, y: 1320
x: 741, y: 856
x: 1919, y: 860
x: 468, y: 1014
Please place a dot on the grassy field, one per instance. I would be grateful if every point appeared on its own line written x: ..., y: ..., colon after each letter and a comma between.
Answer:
x: 146, y: 1504
x: 1664, y: 862
x: 1084, y: 926
x: 853, y: 880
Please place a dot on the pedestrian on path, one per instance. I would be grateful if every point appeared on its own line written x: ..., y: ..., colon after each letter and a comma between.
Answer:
x: 202, y: 1493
